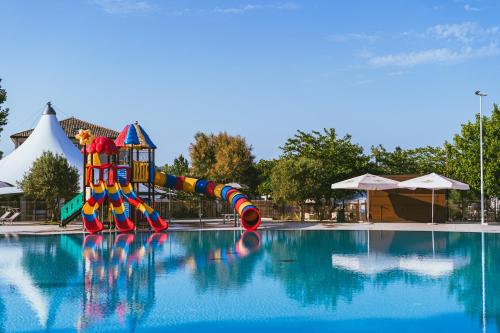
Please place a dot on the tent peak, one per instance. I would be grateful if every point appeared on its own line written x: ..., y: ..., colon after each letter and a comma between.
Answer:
x: 48, y: 109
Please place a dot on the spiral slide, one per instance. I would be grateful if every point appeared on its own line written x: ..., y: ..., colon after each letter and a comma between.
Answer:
x: 89, y: 216
x: 250, y: 215
x: 154, y: 219
x: 123, y: 223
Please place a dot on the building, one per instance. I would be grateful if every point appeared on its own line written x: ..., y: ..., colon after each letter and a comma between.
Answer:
x: 70, y: 126
x: 405, y: 205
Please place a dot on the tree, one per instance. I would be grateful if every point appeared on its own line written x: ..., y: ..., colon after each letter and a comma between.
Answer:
x: 264, y: 169
x: 180, y: 166
x: 295, y: 180
x: 463, y: 154
x: 419, y: 161
x: 337, y: 159
x: 222, y: 157
x: 4, y: 112
x: 50, y: 179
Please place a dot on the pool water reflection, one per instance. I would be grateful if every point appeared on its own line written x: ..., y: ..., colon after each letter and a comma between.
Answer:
x: 218, y: 281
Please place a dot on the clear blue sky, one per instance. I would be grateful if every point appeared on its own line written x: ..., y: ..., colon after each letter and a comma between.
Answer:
x: 390, y: 72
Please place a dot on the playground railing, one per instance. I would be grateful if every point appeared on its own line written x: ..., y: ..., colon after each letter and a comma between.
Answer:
x: 71, y: 208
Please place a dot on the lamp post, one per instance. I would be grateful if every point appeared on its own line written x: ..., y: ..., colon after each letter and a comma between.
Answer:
x: 481, y: 95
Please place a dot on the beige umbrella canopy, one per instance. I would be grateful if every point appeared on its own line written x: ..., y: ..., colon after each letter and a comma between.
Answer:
x: 433, y: 181
x: 366, y: 182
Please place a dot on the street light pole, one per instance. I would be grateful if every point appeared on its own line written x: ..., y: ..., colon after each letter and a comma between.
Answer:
x: 481, y: 95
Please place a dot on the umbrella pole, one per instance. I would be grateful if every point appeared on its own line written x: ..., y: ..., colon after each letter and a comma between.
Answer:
x: 368, y: 242
x: 368, y: 206
x: 433, y: 245
x: 432, y: 210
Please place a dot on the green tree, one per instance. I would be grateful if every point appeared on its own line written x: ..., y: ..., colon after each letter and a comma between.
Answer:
x: 180, y: 166
x: 419, y: 161
x: 336, y: 157
x: 222, y: 157
x: 50, y: 179
x: 264, y: 169
x: 463, y: 154
x: 4, y: 112
x: 295, y: 180
x: 429, y: 159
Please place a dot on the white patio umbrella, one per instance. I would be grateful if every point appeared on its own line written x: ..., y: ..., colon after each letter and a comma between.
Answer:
x: 433, y: 182
x: 366, y: 182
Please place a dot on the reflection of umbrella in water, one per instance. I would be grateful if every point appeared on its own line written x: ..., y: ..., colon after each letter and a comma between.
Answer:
x: 432, y: 267
x: 375, y: 264
x: 370, y: 264
x: 364, y: 264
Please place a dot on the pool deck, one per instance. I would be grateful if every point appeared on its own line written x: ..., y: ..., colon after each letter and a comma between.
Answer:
x: 37, y: 228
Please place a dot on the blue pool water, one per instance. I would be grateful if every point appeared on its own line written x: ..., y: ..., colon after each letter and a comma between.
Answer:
x: 271, y: 281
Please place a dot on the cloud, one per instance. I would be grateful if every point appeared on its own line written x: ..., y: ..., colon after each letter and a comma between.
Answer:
x: 141, y: 6
x: 469, y: 8
x: 433, y: 56
x: 353, y: 37
x: 237, y: 10
x: 123, y: 6
x: 251, y: 7
x: 464, y: 32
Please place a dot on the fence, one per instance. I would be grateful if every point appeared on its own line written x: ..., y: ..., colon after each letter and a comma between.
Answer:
x: 468, y: 211
x: 30, y: 210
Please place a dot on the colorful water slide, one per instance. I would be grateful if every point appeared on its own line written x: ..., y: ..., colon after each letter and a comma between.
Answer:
x: 89, y: 216
x: 123, y: 223
x: 249, y: 213
x: 154, y: 219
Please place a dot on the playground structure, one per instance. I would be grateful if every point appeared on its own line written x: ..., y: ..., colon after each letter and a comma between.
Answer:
x: 129, y: 170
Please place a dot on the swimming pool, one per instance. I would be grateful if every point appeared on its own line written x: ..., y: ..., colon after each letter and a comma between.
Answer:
x: 271, y: 281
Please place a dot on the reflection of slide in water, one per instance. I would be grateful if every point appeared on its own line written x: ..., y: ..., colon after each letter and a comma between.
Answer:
x: 248, y: 243
x: 152, y: 216
x: 90, y: 245
x: 121, y: 245
x: 105, y: 264
x: 121, y: 248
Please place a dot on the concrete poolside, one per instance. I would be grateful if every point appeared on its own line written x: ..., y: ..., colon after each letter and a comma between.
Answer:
x: 37, y: 228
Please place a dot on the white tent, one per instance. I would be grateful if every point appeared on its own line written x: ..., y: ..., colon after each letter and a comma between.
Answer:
x: 366, y: 182
x: 433, y: 182
x: 47, y: 136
